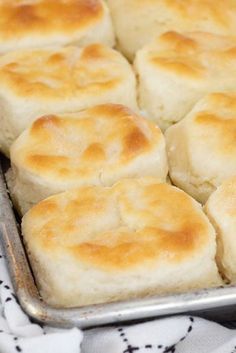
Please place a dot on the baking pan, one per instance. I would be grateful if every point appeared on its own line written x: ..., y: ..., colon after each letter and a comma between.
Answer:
x: 217, y: 303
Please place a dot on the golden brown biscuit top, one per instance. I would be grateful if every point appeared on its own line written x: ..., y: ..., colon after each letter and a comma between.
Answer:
x: 212, y: 13
x: 213, y: 122
x: 193, y: 56
x: 218, y: 12
x: 89, y: 144
x: 62, y: 73
x: 135, y: 222
x: 20, y: 18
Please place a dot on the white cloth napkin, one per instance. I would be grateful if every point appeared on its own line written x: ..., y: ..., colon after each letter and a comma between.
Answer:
x: 19, y: 334
x: 181, y: 334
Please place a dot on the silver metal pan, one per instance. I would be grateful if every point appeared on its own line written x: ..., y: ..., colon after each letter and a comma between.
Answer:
x: 217, y: 303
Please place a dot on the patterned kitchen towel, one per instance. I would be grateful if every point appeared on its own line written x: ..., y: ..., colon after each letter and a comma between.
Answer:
x: 181, y: 334
x: 19, y: 334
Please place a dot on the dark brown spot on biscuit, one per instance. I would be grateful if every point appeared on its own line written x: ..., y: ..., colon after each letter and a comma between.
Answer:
x: 135, y: 142
x: 94, y: 152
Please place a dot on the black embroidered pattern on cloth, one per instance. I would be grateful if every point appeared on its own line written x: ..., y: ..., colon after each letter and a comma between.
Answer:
x: 6, y: 286
x: 160, y: 348
x: 8, y: 299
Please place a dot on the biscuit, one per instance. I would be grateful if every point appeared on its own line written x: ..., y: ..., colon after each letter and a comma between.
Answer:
x: 95, y: 147
x: 101, y: 244
x: 51, y: 81
x: 202, y: 147
x: 176, y: 70
x: 41, y: 23
x: 221, y: 209
x: 137, y: 22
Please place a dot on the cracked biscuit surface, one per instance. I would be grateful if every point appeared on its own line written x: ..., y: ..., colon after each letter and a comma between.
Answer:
x: 178, y: 69
x: 63, y: 80
x: 201, y: 148
x: 95, y: 147
x: 137, y: 22
x: 99, y: 244
x: 43, y: 23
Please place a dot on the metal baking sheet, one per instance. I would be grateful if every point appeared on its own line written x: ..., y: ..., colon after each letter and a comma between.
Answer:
x: 217, y: 303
